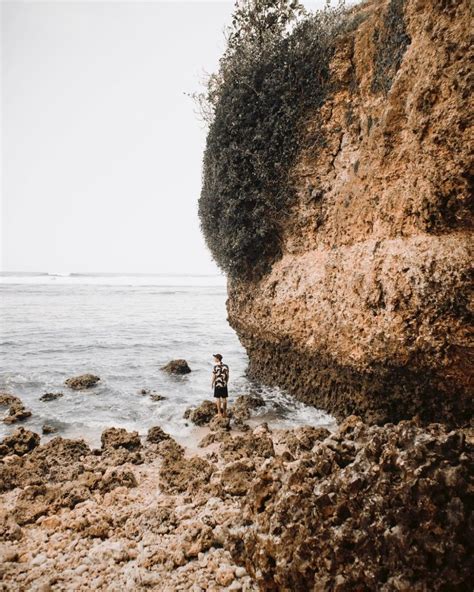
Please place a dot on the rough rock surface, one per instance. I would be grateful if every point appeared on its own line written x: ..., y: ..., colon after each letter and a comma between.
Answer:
x: 16, y: 410
x: 51, y: 396
x: 379, y: 509
x: 120, y: 438
x: 202, y: 414
x: 19, y: 442
x: 367, y: 508
x: 367, y: 311
x: 177, y: 367
x: 218, y: 423
x: 156, y: 435
x: 72, y: 522
x: 244, y: 405
x: 79, y: 383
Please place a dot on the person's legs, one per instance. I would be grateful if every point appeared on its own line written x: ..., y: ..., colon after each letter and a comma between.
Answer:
x: 218, y: 405
x: 224, y: 406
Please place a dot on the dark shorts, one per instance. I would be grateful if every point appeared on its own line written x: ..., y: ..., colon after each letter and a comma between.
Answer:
x: 220, y: 391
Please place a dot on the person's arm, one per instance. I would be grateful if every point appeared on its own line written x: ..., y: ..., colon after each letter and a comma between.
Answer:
x: 213, y: 378
x: 228, y: 374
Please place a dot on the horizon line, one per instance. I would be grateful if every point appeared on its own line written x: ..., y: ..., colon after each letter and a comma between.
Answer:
x: 110, y: 273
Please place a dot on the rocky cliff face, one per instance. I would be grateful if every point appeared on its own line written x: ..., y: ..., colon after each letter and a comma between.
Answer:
x: 367, y: 310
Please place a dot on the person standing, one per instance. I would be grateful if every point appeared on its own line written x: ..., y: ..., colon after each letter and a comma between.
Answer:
x: 220, y: 379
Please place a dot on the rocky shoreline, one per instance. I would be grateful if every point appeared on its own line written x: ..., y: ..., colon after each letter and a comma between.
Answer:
x: 361, y: 508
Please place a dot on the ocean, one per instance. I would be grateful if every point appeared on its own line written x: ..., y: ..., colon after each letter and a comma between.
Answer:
x: 123, y: 328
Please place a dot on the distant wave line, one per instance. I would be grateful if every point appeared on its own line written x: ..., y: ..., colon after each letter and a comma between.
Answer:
x: 103, y: 274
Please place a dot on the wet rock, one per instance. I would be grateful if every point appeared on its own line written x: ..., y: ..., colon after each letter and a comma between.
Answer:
x: 16, y: 409
x: 48, y: 429
x: 156, y: 435
x: 82, y: 382
x: 177, y: 367
x: 20, y: 442
x: 156, y: 397
x: 51, y: 396
x: 368, y: 508
x: 202, y: 414
x: 240, y: 425
x: 219, y: 423
x: 245, y: 405
x: 120, y: 438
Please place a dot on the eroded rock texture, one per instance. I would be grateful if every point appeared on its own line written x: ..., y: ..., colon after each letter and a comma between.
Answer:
x: 367, y: 311
x: 367, y: 508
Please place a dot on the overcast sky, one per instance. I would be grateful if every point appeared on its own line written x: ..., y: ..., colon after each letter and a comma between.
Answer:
x: 101, y: 147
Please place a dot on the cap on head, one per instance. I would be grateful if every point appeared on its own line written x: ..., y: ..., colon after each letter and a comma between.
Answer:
x: 218, y: 356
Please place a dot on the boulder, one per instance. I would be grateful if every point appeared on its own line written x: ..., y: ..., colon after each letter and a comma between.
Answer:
x: 219, y: 423
x: 82, y: 382
x: 16, y: 409
x: 50, y: 396
x: 48, y: 429
x: 202, y: 414
x: 20, y: 442
x: 156, y: 435
x: 177, y: 367
x: 120, y: 438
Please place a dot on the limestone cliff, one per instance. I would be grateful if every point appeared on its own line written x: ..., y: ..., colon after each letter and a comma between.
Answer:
x: 367, y: 308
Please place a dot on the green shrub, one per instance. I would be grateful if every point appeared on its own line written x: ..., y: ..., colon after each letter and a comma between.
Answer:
x: 273, y: 75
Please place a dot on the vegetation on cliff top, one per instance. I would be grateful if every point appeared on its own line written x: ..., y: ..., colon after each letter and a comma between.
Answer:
x: 273, y: 76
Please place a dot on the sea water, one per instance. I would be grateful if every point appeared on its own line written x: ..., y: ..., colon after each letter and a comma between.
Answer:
x: 123, y: 328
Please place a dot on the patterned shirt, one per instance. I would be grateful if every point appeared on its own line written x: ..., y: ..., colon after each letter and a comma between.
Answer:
x: 221, y: 374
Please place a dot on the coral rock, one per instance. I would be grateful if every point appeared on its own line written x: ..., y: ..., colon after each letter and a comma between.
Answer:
x: 156, y: 435
x: 202, y: 414
x: 51, y: 396
x: 82, y: 382
x: 177, y: 367
x: 120, y: 438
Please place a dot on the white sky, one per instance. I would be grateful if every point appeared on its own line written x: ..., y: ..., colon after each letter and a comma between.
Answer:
x: 101, y: 148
